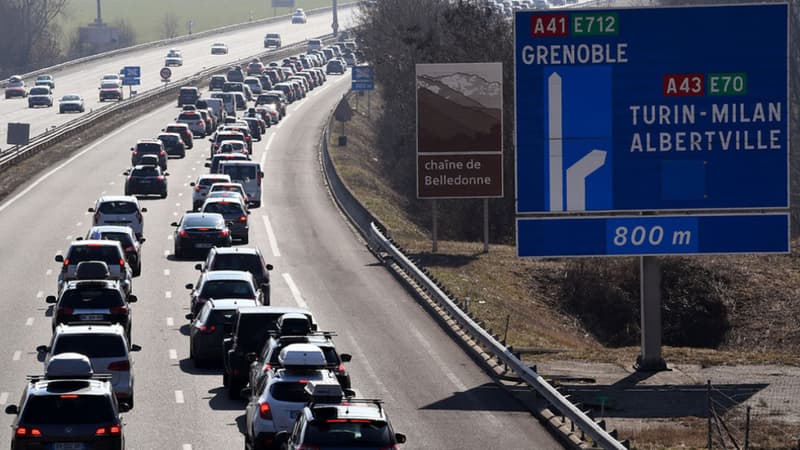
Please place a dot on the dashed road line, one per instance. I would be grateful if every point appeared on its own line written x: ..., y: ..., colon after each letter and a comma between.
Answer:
x: 170, y: 322
x: 178, y: 396
x: 17, y: 356
x: 168, y: 294
x: 173, y: 354
x: 29, y: 322
x: 273, y: 243
x: 79, y: 224
x: 186, y: 447
x: 298, y: 298
x: 3, y: 398
x: 40, y: 294
x: 49, y: 272
x: 166, y: 272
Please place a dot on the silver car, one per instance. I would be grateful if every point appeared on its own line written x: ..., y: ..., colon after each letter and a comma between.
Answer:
x: 195, y: 122
x: 107, y: 348
x: 202, y: 185
x: 119, y: 210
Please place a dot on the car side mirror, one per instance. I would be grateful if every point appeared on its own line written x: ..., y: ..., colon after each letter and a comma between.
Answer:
x: 251, y: 357
x: 124, y: 407
x: 174, y: 224
x: 192, y: 184
x: 136, y: 348
x: 132, y: 298
x: 189, y: 286
x: 198, y: 266
x: 208, y: 164
x: 59, y: 258
x: 12, y: 409
x: 189, y: 316
x: 132, y: 149
x: 141, y: 241
x: 79, y: 238
x: 127, y: 172
x: 345, y: 357
x: 144, y: 209
x: 400, y: 438
x: 166, y: 174
x: 210, y: 140
x: 349, y: 392
x: 42, y: 349
x: 50, y: 299
x: 269, y: 267
x: 261, y: 174
x: 91, y: 210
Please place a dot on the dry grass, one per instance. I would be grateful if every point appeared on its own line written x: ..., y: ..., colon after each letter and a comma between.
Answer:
x: 755, y: 291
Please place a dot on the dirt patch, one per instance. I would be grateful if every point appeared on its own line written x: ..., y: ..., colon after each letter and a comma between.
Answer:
x: 730, y: 320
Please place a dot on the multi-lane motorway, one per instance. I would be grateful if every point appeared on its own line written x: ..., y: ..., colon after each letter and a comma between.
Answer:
x: 434, y: 392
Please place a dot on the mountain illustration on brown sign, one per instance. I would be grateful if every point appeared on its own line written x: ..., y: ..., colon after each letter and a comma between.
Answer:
x: 458, y: 112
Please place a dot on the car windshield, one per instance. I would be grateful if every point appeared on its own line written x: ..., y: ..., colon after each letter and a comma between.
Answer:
x: 106, y: 253
x: 121, y: 207
x: 90, y: 298
x: 200, y: 221
x: 68, y: 410
x: 348, y: 433
x: 92, y: 345
x: 227, y: 289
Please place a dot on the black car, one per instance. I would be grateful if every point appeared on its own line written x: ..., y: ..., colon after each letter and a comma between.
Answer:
x: 149, y: 147
x: 216, y: 82
x: 247, y: 259
x: 173, y: 144
x: 188, y: 95
x: 207, y: 331
x: 256, y: 125
x: 146, y: 180
x: 73, y: 407
x: 335, y: 66
x: 93, y: 301
x: 235, y: 74
x: 235, y: 213
x: 200, y: 231
x: 251, y: 329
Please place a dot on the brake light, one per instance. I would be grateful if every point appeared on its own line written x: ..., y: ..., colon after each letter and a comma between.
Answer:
x: 119, y: 309
x: 160, y: 178
x: 183, y: 233
x: 66, y: 262
x: 28, y: 432
x: 201, y: 123
x: 68, y: 396
x: 243, y: 219
x: 162, y: 153
x: 264, y: 411
x: 267, y: 367
x: 122, y: 262
x: 197, y: 188
x: 202, y: 229
x: 208, y: 328
x: 135, y: 152
x: 113, y: 430
x: 120, y: 366
x: 130, y: 249
x: 224, y: 233
x: 308, y: 447
x: 340, y: 369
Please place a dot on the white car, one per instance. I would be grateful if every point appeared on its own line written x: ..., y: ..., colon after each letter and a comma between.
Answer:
x: 299, y: 16
x: 119, y: 210
x: 219, y: 48
x: 107, y: 348
x: 171, y: 61
x: 202, y: 185
x: 279, y: 397
x: 112, y: 76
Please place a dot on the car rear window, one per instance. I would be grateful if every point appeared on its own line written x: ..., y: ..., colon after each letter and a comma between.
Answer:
x: 289, y: 392
x: 227, y: 289
x: 106, y: 253
x: 224, y: 208
x: 189, y: 116
x: 331, y: 358
x: 145, y: 171
x: 91, y: 345
x: 122, y: 238
x: 237, y: 172
x: 109, y: 86
x: 68, y: 410
x: 121, y: 207
x: 91, y: 298
x: 221, y: 317
x: 236, y: 261
x: 350, y: 434
x: 175, y: 129
x: 168, y: 138
x: 202, y: 222
x: 210, y: 181
x: 148, y: 147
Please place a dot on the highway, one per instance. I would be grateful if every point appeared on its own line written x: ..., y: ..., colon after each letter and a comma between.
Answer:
x: 433, y: 390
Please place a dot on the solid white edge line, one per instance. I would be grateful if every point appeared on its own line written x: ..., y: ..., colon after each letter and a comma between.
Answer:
x: 273, y: 243
x: 298, y: 298
x: 39, y: 180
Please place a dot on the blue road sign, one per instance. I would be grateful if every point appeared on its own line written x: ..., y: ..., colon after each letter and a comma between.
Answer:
x: 362, y: 85
x: 657, y: 109
x: 363, y: 78
x: 653, y: 235
x: 131, y: 72
x: 128, y: 81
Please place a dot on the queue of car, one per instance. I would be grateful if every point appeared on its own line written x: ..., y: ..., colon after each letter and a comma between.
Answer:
x: 290, y: 373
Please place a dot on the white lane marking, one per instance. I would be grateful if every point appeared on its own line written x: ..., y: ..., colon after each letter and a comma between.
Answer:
x: 168, y: 294
x: 40, y: 294
x: 17, y: 356
x: 298, y: 298
x: 187, y: 447
x: 3, y: 398
x: 170, y: 321
x: 166, y: 252
x: 79, y: 224
x: 178, y: 205
x: 69, y: 237
x: 269, y: 141
x: 166, y: 272
x: 173, y: 354
x: 49, y: 272
x: 67, y: 162
x: 169, y: 238
x: 174, y: 213
x: 178, y: 396
x: 29, y: 322
x: 180, y: 194
x: 273, y: 243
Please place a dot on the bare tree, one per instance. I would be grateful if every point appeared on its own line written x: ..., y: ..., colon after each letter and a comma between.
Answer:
x: 127, y: 35
x: 28, y: 33
x: 169, y: 26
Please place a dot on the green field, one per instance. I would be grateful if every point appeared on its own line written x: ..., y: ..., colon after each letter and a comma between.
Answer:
x: 146, y: 16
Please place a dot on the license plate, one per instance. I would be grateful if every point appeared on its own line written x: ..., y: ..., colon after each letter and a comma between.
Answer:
x: 92, y: 317
x: 145, y: 181
x: 69, y: 446
x: 203, y: 245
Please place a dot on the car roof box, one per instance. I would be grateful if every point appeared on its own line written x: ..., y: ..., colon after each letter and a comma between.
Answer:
x: 324, y: 392
x: 294, y: 324
x: 302, y: 357
x: 69, y: 365
x: 92, y: 270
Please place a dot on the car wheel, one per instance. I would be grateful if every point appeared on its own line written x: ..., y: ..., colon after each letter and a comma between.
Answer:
x: 163, y: 195
x: 178, y: 252
x: 137, y: 271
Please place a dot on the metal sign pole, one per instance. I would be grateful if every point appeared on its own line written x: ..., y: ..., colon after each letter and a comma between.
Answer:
x: 369, y: 105
x: 486, y: 225
x: 435, y: 228
x: 650, y: 359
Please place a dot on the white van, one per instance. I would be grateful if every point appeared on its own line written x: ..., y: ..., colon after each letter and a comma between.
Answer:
x: 249, y: 174
x: 217, y: 107
x: 228, y: 101
x: 314, y: 44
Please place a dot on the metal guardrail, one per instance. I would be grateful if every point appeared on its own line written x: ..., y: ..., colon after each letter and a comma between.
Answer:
x: 378, y: 241
x: 10, y: 156
x: 166, y: 42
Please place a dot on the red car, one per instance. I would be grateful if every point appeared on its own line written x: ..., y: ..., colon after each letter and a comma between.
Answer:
x: 110, y: 90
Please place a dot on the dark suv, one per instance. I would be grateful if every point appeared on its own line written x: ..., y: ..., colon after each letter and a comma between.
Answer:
x: 146, y: 180
x: 188, y: 96
x: 247, y: 259
x: 216, y: 82
x: 252, y: 327
x: 149, y: 147
x: 93, y: 301
x: 78, y: 408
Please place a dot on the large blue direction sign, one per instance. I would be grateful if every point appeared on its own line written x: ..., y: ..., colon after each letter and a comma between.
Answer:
x: 653, y: 235
x: 658, y: 109
x: 131, y: 72
x: 363, y: 78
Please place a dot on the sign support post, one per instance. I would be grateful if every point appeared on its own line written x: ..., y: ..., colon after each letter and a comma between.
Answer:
x: 435, y: 246
x: 486, y: 225
x: 650, y: 360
